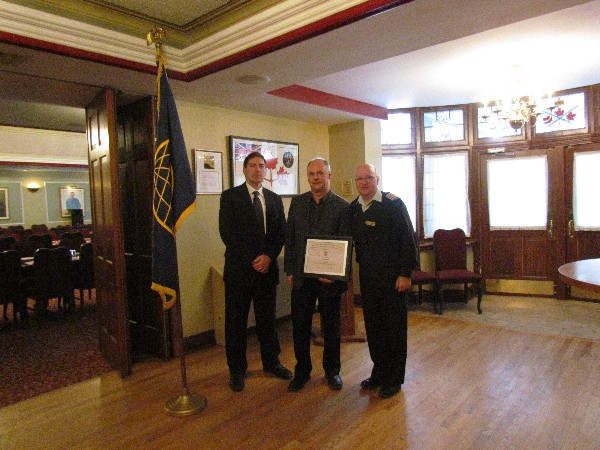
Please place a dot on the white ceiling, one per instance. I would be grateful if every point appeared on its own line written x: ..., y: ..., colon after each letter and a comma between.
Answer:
x: 423, y: 53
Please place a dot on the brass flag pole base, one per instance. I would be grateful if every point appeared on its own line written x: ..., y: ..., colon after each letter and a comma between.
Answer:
x: 186, y: 404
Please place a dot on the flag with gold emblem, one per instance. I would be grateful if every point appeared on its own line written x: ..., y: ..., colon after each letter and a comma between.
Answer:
x: 174, y: 192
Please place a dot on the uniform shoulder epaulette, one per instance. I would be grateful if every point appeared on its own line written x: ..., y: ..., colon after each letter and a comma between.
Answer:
x: 391, y: 196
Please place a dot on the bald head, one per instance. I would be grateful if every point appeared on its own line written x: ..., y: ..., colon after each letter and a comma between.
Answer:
x: 366, y: 179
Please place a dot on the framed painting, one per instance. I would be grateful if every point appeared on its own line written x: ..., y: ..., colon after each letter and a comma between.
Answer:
x: 4, y: 203
x: 70, y: 199
x: 209, y: 172
x: 281, y: 159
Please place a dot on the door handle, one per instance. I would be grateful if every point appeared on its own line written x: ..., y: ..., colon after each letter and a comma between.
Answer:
x: 571, y: 229
x: 551, y: 229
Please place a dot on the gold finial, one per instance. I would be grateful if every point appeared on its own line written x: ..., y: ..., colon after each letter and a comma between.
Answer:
x: 156, y: 37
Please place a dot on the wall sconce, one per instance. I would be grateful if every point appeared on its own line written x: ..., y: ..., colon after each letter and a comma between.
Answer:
x: 32, y: 187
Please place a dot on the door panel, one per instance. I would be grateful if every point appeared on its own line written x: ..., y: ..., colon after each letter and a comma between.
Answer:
x: 147, y: 319
x: 527, y: 252
x: 108, y: 238
x: 582, y: 242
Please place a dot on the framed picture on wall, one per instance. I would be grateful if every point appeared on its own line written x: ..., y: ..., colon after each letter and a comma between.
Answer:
x: 209, y: 172
x: 281, y: 159
x: 4, y: 203
x: 70, y: 199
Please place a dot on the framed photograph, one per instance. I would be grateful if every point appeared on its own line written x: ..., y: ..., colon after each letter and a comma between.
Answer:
x: 209, y: 172
x: 4, y: 203
x: 70, y: 199
x: 282, y: 163
x: 328, y: 257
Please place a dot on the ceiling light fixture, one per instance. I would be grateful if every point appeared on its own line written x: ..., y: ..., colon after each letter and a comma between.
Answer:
x: 518, y: 109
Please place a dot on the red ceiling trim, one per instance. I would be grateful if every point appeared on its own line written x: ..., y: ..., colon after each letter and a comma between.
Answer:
x: 358, y: 12
x: 320, y: 98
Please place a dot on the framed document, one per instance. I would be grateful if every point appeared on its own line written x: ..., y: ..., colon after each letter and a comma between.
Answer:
x: 209, y: 172
x: 328, y: 257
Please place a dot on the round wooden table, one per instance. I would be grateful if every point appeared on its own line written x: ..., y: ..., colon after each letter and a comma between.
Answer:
x: 584, y: 274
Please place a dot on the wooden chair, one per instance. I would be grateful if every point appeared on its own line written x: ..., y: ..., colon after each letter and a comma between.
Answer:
x: 7, y: 242
x: 420, y: 278
x: 450, y: 249
x: 84, y: 279
x: 10, y: 278
x: 72, y: 240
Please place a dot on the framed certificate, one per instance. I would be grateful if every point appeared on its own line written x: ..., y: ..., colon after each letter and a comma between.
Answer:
x: 328, y: 257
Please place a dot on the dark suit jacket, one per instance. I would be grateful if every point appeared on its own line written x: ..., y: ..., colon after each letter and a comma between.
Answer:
x: 333, y: 221
x: 243, y: 239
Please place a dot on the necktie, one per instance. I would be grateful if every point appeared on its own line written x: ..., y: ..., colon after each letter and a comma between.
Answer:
x: 259, y: 210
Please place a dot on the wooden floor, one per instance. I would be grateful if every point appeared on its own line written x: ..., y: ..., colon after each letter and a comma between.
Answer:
x: 469, y: 386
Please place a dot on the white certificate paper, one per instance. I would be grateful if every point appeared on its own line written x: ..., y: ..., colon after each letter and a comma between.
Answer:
x: 326, y: 257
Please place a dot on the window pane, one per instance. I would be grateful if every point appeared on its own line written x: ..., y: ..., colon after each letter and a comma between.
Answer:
x: 568, y: 116
x: 489, y: 125
x: 398, y: 177
x: 442, y: 126
x: 586, y: 186
x: 397, y: 129
x: 518, y: 193
x: 445, y: 193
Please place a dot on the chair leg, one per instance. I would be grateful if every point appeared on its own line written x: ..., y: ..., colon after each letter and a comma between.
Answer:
x: 479, y: 295
x: 420, y: 294
x: 440, y: 301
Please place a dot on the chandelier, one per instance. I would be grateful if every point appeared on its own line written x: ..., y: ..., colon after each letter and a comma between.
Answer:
x: 518, y: 109
x: 521, y: 110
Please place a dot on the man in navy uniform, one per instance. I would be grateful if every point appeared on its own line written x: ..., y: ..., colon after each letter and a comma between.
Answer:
x: 386, y: 253
x: 252, y: 227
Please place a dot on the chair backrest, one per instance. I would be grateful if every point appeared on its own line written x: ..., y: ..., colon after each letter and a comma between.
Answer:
x: 43, y: 240
x: 72, y: 240
x: 53, y: 271
x: 85, y: 273
x: 10, y: 274
x: 450, y: 249
x: 7, y: 242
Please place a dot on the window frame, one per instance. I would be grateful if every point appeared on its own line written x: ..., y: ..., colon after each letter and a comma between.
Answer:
x: 446, y: 145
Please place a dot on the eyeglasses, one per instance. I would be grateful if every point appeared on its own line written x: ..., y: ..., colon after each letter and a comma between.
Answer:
x: 369, y: 178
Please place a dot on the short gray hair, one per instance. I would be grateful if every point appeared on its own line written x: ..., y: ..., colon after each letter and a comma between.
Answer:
x: 319, y: 158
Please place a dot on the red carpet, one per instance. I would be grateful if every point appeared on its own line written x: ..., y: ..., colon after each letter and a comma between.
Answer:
x: 49, y: 354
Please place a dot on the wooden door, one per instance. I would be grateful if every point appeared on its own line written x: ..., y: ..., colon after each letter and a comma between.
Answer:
x: 523, y: 251
x: 147, y: 320
x: 582, y: 228
x: 109, y: 264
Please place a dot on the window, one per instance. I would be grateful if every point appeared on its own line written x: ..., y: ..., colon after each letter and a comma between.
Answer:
x: 518, y: 193
x: 586, y: 186
x: 569, y: 114
x: 445, y: 193
x: 397, y: 130
x: 489, y: 125
x: 399, y: 177
x: 444, y: 126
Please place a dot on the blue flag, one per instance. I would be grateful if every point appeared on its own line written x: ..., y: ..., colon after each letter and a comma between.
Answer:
x: 174, y: 192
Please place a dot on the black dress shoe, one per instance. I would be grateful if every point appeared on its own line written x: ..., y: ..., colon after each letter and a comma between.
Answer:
x: 280, y: 372
x: 370, y: 384
x: 389, y: 391
x: 236, y: 383
x: 335, y: 382
x: 298, y: 383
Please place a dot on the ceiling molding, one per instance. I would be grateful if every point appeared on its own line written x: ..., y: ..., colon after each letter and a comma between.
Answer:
x: 285, y: 23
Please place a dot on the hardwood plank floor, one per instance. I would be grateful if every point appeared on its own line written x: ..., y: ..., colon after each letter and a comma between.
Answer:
x: 469, y: 386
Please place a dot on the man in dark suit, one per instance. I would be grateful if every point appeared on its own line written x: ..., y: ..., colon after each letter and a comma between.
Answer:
x: 252, y: 227
x: 323, y: 213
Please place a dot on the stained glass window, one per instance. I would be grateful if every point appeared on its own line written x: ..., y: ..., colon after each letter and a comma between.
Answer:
x: 444, y: 126
x: 489, y: 125
x: 568, y: 114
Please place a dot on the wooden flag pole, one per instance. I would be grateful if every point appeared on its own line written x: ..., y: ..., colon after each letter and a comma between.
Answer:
x: 187, y: 403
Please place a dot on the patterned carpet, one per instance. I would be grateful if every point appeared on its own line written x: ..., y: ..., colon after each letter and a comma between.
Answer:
x: 532, y: 314
x: 51, y: 353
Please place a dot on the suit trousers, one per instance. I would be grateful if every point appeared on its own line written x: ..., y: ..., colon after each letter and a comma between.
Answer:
x: 386, y: 320
x: 303, y: 307
x: 237, y: 307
